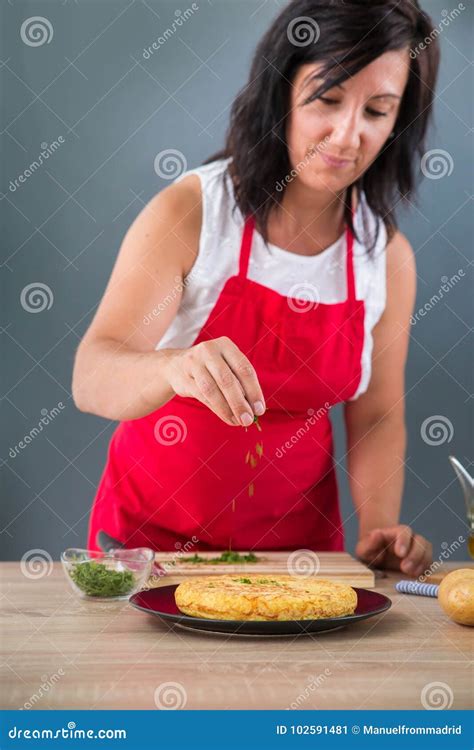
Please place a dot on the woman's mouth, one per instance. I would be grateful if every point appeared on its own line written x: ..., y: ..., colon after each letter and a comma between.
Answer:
x: 334, y: 161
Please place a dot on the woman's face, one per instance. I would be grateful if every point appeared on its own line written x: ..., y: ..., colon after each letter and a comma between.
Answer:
x: 334, y: 139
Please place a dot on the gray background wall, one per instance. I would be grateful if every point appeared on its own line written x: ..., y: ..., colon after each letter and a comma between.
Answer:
x: 115, y: 111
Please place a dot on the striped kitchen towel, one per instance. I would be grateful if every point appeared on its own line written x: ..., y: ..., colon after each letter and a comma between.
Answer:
x: 414, y: 587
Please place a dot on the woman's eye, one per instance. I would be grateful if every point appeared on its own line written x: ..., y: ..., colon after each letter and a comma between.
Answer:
x: 376, y: 113
x: 327, y: 100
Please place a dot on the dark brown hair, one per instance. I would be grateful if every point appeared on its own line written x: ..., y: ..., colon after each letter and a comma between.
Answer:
x: 351, y: 34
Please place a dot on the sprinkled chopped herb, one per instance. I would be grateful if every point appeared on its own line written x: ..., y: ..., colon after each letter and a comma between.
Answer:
x: 269, y: 580
x: 243, y: 580
x: 95, y: 579
x: 226, y: 557
x: 257, y: 423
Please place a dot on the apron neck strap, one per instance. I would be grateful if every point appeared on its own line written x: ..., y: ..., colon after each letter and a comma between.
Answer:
x: 246, y: 246
x: 351, y: 293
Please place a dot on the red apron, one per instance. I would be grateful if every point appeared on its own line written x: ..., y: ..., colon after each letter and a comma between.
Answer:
x: 180, y: 472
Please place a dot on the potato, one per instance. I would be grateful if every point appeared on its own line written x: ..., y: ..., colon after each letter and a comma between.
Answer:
x: 456, y: 595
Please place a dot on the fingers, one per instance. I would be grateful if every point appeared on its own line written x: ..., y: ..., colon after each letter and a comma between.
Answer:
x: 208, y: 391
x: 219, y: 375
x: 396, y: 547
x: 230, y: 388
x: 418, y: 558
x: 403, y: 539
x: 371, y: 548
x: 246, y: 375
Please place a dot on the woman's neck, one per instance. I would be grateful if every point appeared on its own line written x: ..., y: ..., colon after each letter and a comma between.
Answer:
x: 306, y: 222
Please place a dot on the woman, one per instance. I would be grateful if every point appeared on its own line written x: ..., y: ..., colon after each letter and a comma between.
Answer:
x: 272, y: 283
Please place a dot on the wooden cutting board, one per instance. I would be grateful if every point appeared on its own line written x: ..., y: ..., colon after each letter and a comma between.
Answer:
x: 338, y: 566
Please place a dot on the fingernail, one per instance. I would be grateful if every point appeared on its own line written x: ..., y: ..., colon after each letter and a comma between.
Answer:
x: 259, y: 408
x: 403, y: 550
x: 246, y: 419
x: 408, y: 566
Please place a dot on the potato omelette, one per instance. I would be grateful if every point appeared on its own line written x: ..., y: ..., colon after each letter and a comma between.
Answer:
x: 264, y: 597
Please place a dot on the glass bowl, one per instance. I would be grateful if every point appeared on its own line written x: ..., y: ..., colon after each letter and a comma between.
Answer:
x: 107, y: 575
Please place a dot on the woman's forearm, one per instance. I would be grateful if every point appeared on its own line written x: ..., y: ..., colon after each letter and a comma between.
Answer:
x: 116, y: 382
x: 376, y: 466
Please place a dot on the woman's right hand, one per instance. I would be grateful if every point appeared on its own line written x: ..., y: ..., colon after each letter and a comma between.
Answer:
x: 219, y: 375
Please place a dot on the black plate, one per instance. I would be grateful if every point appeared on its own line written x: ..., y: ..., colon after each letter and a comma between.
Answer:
x: 160, y: 601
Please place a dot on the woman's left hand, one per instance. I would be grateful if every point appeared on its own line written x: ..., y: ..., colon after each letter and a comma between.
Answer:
x: 395, y: 548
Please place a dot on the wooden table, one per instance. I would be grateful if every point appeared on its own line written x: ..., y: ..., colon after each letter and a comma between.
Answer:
x: 58, y: 651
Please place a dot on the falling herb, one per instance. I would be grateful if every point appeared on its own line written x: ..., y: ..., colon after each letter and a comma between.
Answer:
x: 252, y: 459
x: 226, y: 557
x: 94, y: 579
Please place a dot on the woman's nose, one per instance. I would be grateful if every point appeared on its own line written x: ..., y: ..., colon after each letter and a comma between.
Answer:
x: 346, y: 132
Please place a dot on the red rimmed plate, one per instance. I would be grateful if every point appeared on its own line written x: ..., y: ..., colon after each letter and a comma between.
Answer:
x: 160, y: 601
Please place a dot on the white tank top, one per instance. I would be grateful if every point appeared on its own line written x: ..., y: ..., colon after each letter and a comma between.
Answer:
x: 281, y: 270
